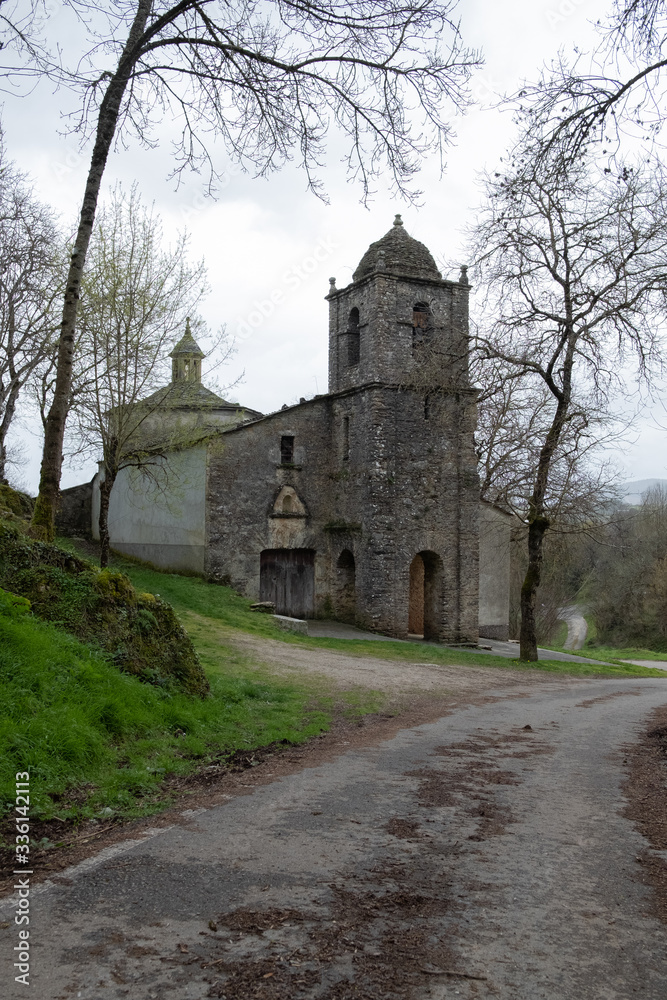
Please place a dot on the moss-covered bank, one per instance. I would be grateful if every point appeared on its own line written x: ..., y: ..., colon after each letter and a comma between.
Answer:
x: 139, y: 632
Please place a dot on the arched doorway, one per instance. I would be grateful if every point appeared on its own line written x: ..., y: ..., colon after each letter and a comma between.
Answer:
x: 425, y: 607
x: 345, y: 596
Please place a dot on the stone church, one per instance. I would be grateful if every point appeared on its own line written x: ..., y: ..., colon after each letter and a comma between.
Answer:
x: 361, y: 504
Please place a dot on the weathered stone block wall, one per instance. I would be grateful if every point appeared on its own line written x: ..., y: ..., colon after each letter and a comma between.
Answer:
x: 246, y: 484
x: 73, y: 517
x: 375, y: 478
x: 385, y: 305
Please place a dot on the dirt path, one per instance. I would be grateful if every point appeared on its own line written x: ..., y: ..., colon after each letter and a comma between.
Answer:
x: 393, y: 677
x: 483, y: 854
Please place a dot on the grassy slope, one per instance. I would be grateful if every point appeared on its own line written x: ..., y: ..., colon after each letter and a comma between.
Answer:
x: 76, y: 722
x: 616, y: 655
x: 223, y: 606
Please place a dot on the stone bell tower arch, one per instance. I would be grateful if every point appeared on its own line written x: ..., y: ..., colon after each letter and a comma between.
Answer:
x: 397, y: 301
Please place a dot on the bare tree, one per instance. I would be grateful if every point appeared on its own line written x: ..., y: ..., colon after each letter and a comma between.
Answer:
x: 268, y: 79
x: 21, y: 22
x: 618, y: 92
x: 32, y: 255
x: 573, y: 268
x: 136, y: 297
x: 515, y: 411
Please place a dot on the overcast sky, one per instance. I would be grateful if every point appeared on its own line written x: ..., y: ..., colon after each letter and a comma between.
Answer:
x: 264, y: 235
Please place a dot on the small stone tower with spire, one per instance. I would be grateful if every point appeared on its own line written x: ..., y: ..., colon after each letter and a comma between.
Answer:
x: 185, y: 409
x: 186, y: 358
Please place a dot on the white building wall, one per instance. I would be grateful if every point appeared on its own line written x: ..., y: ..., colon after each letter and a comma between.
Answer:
x: 494, y: 571
x: 159, y: 516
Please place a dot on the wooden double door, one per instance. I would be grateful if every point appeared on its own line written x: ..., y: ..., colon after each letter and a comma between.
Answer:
x: 287, y: 578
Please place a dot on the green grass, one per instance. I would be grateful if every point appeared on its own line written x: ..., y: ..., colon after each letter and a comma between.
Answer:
x: 428, y: 653
x: 598, y: 651
x: 93, y: 737
x: 627, y: 653
x: 191, y: 593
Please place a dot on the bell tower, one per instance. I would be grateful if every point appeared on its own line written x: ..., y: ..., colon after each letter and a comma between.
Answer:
x: 398, y: 302
x: 186, y: 358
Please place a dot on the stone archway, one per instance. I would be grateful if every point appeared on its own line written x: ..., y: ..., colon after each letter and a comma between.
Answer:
x: 425, y: 598
x: 345, y: 588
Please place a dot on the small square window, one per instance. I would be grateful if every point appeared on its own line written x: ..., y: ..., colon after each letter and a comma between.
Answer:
x: 286, y: 450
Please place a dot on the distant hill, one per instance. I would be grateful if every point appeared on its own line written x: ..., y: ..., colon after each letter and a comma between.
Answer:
x: 633, y: 491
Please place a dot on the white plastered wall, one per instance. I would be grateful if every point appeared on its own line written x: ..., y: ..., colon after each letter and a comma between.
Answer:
x: 160, y: 516
x: 494, y: 571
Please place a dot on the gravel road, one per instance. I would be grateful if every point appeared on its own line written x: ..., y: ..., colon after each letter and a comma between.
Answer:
x: 484, y: 854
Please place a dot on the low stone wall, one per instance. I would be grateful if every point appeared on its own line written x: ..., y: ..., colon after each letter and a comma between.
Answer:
x: 500, y: 632
x: 74, y: 511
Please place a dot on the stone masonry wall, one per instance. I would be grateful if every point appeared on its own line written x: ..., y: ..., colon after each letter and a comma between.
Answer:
x: 375, y: 478
x: 74, y: 513
x: 385, y: 305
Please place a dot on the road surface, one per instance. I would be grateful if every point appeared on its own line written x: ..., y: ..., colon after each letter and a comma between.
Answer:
x: 481, y: 855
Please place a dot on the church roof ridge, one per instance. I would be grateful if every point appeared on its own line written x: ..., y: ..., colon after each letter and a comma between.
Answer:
x: 399, y: 253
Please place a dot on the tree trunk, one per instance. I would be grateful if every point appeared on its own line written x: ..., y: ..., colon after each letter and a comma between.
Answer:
x: 105, y: 494
x: 538, y: 523
x: 5, y: 424
x: 43, y: 519
x: 528, y: 637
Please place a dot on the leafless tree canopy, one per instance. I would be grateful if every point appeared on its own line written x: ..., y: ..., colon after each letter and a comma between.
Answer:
x: 271, y: 80
x: 616, y: 93
x: 32, y: 264
x: 514, y: 415
x: 21, y: 53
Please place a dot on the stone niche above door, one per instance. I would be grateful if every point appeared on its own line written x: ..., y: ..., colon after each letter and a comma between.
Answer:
x: 287, y: 520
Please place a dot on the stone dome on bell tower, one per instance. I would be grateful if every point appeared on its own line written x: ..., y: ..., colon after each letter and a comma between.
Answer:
x: 397, y: 301
x: 398, y: 253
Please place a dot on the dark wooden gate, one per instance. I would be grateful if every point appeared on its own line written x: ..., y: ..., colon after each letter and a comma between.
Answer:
x: 287, y: 577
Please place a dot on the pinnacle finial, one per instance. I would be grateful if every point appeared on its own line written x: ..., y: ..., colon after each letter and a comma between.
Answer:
x: 463, y: 277
x: 188, y: 331
x: 398, y: 221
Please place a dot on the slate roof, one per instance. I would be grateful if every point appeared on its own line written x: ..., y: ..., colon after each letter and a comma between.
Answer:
x: 190, y: 395
x: 399, y: 253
